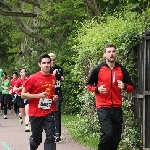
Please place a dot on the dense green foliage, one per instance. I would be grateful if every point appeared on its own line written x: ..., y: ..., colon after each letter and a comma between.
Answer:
x: 124, y: 30
x: 77, y: 32
x: 6, y: 27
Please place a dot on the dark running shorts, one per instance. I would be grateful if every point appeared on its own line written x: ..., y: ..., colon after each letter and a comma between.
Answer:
x: 20, y: 102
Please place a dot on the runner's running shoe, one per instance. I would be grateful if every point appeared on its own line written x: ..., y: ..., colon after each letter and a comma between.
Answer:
x: 21, y: 121
x: 57, y: 138
x: 5, y: 117
x: 27, y: 128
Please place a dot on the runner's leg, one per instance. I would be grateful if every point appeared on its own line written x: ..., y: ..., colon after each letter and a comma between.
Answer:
x: 27, y: 129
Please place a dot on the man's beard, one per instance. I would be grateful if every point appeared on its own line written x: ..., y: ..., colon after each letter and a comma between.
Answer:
x: 110, y: 60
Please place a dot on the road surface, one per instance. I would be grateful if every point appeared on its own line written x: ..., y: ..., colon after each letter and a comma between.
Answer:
x: 13, y: 137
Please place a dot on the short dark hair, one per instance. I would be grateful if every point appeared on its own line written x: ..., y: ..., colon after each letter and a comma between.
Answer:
x: 22, y: 69
x: 5, y: 73
x: 43, y: 56
x: 15, y: 72
x: 109, y: 45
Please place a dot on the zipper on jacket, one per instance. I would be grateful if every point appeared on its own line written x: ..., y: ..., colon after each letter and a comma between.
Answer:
x: 111, y: 87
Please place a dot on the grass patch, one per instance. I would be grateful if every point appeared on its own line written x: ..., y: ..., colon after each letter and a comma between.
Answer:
x: 72, y: 123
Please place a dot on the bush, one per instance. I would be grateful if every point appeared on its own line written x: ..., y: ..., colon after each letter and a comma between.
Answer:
x: 124, y: 31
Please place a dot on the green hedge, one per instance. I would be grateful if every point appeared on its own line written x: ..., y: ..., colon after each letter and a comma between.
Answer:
x: 123, y: 30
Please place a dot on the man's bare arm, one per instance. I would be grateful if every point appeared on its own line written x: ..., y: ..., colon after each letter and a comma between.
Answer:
x: 15, y: 89
x: 27, y: 95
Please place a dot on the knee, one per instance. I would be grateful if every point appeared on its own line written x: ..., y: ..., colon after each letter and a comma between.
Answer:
x: 35, y: 143
x: 109, y: 133
x: 22, y: 114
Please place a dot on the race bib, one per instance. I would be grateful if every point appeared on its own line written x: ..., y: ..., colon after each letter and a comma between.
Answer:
x: 57, y: 84
x: 5, y: 89
x: 45, y: 103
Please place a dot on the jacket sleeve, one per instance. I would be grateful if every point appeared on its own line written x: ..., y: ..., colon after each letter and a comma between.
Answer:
x: 59, y: 74
x: 129, y: 86
x: 92, y: 81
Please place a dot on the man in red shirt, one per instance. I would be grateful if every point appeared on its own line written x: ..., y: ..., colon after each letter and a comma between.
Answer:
x: 13, y: 81
x: 18, y: 88
x: 39, y: 89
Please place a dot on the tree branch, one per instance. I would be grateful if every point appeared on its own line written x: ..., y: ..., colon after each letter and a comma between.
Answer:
x: 92, y: 8
x: 27, y: 30
x: 17, y: 13
x: 22, y: 26
x: 33, y: 2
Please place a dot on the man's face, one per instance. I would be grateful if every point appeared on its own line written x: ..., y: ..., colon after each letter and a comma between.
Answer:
x: 110, y: 54
x: 14, y: 76
x: 8, y: 77
x: 53, y: 61
x: 45, y: 65
x: 23, y: 73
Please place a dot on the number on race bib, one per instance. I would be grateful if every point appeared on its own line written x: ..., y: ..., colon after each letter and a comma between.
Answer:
x: 5, y: 89
x: 57, y: 84
x: 45, y: 103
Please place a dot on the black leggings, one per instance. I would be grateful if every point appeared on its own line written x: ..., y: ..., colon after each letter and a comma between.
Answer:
x: 5, y: 102
x: 57, y: 115
x: 110, y: 120
x: 37, y: 126
x: 1, y: 100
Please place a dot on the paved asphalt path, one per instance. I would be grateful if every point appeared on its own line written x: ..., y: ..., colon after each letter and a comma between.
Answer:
x: 13, y: 137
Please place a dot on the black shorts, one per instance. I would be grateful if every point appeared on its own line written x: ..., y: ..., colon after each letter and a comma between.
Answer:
x: 20, y: 102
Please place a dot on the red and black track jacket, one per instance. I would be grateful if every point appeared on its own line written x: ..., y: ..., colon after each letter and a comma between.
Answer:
x: 103, y: 75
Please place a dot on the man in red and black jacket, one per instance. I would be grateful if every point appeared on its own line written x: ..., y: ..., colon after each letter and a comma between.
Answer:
x: 107, y: 80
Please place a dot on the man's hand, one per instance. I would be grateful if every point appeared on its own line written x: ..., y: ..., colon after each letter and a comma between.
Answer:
x: 42, y: 95
x: 55, y: 97
x: 102, y: 89
x: 55, y: 71
x: 20, y: 88
x: 120, y: 84
x: 62, y: 78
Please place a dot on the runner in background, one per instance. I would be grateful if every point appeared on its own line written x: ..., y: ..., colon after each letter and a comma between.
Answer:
x: 10, y: 104
x: 5, y: 93
x: 21, y: 102
x: 14, y: 94
x: 1, y: 75
x: 58, y: 72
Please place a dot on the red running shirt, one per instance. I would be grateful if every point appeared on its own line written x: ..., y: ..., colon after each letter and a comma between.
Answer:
x: 19, y: 83
x: 13, y: 81
x: 38, y: 83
